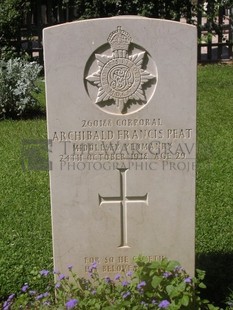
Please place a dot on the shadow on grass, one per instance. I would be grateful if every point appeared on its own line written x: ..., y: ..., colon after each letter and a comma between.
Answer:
x: 35, y: 112
x: 219, y: 275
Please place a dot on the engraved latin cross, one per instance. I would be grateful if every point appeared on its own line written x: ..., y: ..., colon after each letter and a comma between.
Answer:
x: 123, y: 200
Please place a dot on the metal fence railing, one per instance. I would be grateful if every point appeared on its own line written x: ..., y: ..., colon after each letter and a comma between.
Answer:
x: 215, y: 33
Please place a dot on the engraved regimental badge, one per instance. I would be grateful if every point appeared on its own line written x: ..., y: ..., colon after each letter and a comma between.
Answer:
x: 124, y: 85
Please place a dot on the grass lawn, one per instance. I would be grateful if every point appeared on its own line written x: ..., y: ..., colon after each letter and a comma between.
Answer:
x: 25, y: 228
x: 25, y: 221
x: 214, y: 217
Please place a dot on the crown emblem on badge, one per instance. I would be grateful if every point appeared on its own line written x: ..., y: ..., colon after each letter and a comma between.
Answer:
x: 120, y: 77
x: 119, y: 39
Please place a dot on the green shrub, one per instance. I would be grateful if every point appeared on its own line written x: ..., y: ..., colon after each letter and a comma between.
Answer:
x: 153, y: 285
x: 11, y: 13
x: 17, y: 84
x: 229, y: 300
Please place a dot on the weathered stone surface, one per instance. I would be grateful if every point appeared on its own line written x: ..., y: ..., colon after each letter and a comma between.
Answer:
x: 121, y: 96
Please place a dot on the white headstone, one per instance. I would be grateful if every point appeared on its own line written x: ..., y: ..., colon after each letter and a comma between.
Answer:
x: 121, y: 96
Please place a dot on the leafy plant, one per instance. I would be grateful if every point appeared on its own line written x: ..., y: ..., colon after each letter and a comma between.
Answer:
x: 17, y: 83
x: 229, y: 300
x: 153, y: 285
x: 11, y: 15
